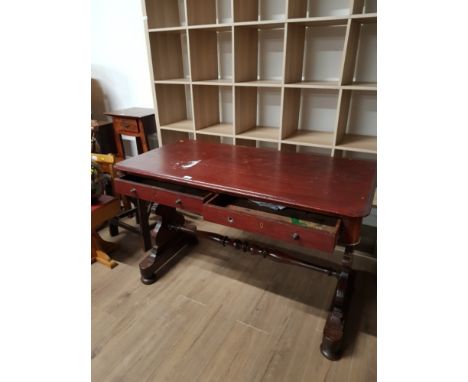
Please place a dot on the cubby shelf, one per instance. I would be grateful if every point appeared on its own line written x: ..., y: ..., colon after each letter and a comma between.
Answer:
x: 182, y: 125
x: 258, y: 52
x: 289, y: 75
x: 165, y: 13
x: 354, y: 142
x: 221, y: 129
x: 262, y: 133
x: 169, y: 53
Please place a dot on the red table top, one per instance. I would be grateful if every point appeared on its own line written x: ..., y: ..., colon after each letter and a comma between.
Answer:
x: 316, y: 183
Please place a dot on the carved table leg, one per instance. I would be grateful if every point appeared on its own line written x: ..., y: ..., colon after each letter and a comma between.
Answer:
x: 167, y: 243
x: 143, y: 220
x: 332, y: 341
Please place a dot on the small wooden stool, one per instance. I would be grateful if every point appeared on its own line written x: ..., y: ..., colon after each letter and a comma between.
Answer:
x: 104, y: 209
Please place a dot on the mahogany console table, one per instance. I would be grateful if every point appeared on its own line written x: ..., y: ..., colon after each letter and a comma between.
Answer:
x: 312, y: 201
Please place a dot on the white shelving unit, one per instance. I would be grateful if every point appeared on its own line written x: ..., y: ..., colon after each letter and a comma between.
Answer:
x: 289, y: 75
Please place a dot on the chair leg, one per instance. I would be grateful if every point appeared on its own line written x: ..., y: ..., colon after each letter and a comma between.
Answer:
x: 98, y: 248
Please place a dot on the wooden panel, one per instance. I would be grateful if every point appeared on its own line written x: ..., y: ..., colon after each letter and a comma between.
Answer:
x: 205, y: 106
x: 245, y: 108
x: 356, y: 142
x: 201, y: 12
x: 162, y: 13
x: 245, y: 142
x: 344, y: 100
x: 358, y: 6
x: 166, y: 54
x: 366, y: 58
x: 245, y: 10
x: 294, y: 53
x: 263, y: 133
x: 203, y: 54
x: 208, y: 138
x: 171, y: 103
x: 183, y: 125
x: 350, y: 51
x: 292, y: 101
x: 219, y: 129
x: 313, y: 183
x: 297, y: 8
x: 246, y: 59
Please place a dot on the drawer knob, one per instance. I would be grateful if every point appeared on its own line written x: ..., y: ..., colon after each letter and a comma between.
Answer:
x: 295, y: 236
x: 133, y: 190
x: 230, y: 219
x: 178, y: 201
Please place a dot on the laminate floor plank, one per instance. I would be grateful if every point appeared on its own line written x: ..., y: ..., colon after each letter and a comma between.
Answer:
x: 219, y: 314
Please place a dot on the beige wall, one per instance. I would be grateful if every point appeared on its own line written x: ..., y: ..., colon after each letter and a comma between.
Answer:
x: 119, y: 64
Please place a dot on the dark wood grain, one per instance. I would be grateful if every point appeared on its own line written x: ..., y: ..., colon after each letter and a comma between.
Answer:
x: 334, y: 186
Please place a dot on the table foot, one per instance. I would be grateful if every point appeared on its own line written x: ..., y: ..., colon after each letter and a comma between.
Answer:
x: 333, y: 332
x: 168, y: 243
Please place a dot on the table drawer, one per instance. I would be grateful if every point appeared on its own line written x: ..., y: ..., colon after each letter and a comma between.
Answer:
x: 169, y: 194
x: 126, y: 125
x: 288, y: 225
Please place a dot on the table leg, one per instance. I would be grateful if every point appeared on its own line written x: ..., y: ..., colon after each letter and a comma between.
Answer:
x: 168, y: 242
x: 332, y: 340
x: 143, y: 217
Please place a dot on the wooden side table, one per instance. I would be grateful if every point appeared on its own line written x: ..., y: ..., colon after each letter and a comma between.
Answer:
x: 136, y: 122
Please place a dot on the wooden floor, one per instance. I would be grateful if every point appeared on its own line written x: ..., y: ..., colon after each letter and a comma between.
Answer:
x: 222, y: 315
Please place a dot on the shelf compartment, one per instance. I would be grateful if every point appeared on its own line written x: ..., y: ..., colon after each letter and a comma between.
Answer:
x: 257, y: 113
x: 314, y: 54
x: 318, y: 8
x: 169, y: 55
x: 288, y: 147
x: 165, y: 13
x: 215, y: 139
x: 365, y: 6
x: 258, y: 52
x: 360, y: 64
x: 213, y: 110
x: 259, y: 10
x: 211, y: 54
x: 209, y: 12
x: 168, y: 136
x: 355, y: 155
x: 309, y: 116
x: 357, y: 125
x: 257, y: 143
x: 174, y: 107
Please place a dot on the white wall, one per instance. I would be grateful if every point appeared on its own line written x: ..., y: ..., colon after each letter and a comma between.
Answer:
x: 119, y: 63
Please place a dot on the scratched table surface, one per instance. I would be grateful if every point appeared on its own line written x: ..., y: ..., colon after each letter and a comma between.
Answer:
x: 335, y: 186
